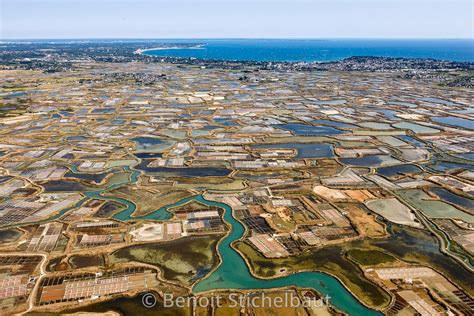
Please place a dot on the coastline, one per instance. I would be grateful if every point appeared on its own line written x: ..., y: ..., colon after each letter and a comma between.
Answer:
x: 316, y: 51
x: 353, y: 63
x: 141, y: 51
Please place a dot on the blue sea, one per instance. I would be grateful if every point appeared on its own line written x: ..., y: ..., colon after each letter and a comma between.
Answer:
x: 315, y: 50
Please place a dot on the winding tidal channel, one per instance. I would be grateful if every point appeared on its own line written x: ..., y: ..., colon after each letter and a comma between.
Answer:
x: 233, y: 272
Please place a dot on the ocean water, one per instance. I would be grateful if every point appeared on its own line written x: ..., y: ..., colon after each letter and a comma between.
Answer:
x: 315, y: 50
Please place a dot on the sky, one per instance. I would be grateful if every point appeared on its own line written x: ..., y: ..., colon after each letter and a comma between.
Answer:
x: 49, y: 19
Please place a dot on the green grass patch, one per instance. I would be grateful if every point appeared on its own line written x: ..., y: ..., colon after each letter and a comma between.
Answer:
x: 369, y: 257
x: 181, y: 260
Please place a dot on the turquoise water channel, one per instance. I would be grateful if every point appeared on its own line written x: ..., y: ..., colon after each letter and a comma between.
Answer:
x: 233, y: 272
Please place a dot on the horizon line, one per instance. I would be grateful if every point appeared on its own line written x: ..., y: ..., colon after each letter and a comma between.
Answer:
x: 236, y: 38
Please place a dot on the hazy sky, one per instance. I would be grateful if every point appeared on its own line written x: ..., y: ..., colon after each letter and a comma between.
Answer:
x: 236, y: 18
